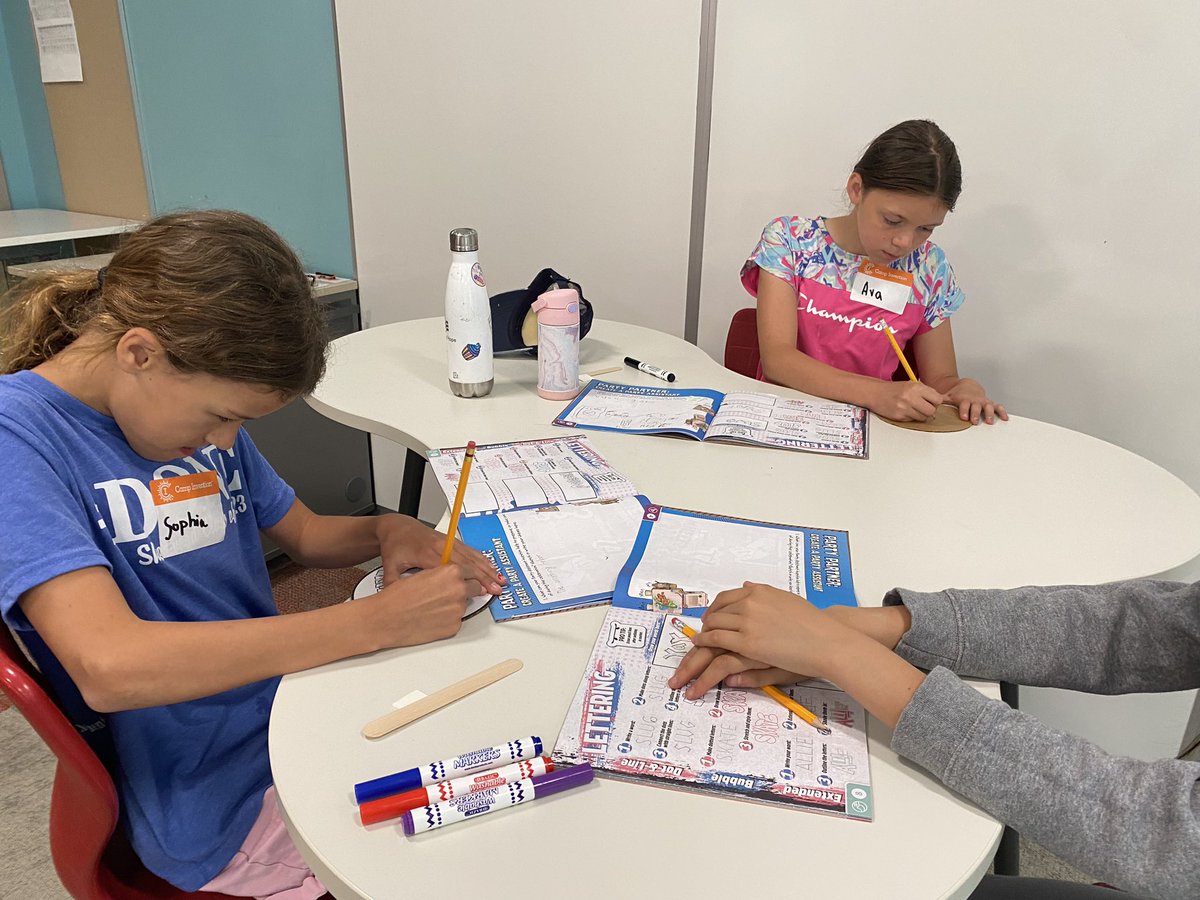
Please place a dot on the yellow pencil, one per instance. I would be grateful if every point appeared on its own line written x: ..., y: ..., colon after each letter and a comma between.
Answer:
x: 771, y: 691
x: 899, y: 353
x: 788, y: 703
x: 456, y: 510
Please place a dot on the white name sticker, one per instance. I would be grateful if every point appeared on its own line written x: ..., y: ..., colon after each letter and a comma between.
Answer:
x: 880, y: 286
x: 189, y: 512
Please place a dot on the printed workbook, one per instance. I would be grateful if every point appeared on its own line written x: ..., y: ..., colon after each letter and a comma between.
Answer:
x: 627, y: 723
x: 555, y: 557
x: 527, y: 474
x: 741, y: 417
x: 681, y: 559
x: 552, y: 515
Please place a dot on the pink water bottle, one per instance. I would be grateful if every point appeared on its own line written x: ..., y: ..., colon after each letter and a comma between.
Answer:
x: 558, y: 343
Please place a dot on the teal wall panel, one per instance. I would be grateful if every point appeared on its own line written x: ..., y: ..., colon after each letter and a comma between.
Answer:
x: 26, y: 141
x: 238, y: 105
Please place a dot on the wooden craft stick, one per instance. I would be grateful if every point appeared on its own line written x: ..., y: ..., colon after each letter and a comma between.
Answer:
x: 603, y: 372
x: 435, y: 701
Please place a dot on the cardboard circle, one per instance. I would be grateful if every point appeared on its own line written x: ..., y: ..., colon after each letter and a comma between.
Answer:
x: 372, y: 583
x: 943, y: 421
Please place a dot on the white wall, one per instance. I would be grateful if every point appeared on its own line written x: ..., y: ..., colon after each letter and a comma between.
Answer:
x: 1075, y: 238
x: 564, y: 133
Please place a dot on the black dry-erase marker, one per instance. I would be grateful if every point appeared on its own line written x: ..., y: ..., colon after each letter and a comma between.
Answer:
x: 649, y: 369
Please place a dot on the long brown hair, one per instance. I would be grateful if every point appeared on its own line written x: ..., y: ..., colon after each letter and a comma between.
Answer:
x: 914, y: 157
x: 223, y: 293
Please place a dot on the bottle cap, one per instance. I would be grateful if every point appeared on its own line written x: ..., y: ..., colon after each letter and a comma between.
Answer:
x: 557, y: 298
x: 464, y: 240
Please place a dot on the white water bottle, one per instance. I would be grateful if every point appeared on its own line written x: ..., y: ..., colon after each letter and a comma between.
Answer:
x: 468, y: 318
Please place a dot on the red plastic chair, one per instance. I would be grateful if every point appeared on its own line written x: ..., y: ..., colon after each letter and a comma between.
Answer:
x: 91, y: 855
x: 741, y: 344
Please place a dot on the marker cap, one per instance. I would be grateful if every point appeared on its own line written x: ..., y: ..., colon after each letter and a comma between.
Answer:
x: 386, y: 785
x: 385, y: 808
x: 561, y: 779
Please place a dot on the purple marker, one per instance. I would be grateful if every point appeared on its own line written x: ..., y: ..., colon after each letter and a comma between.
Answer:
x: 483, y: 802
x: 485, y: 758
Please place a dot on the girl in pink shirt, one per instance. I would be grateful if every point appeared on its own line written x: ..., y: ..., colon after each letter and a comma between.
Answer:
x: 828, y: 287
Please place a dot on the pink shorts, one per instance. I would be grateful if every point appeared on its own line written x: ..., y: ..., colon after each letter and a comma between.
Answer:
x: 268, y: 866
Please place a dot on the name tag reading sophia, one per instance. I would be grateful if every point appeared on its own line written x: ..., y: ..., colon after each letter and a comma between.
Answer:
x: 189, y: 512
x: 880, y: 286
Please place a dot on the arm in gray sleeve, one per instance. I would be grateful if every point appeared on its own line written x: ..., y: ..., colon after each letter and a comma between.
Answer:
x: 1106, y: 639
x: 1135, y: 824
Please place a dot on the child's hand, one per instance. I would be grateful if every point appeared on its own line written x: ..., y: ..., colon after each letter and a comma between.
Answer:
x: 772, y: 628
x: 405, y: 543
x: 972, y: 401
x: 426, y: 606
x: 906, y: 401
x: 706, y: 667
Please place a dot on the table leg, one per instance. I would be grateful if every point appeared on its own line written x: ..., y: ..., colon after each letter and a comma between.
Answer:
x: 1008, y: 855
x: 410, y: 484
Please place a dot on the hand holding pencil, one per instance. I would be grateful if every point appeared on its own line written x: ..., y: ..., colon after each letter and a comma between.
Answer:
x: 758, y: 634
x: 770, y: 690
x: 405, y: 544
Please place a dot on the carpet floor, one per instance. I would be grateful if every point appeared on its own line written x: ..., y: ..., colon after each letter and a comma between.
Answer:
x: 26, y: 870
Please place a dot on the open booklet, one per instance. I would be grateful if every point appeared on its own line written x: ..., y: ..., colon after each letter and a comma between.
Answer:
x: 558, y: 555
x: 748, y: 417
x: 629, y: 724
x: 553, y: 517
x: 526, y: 474
x: 681, y: 559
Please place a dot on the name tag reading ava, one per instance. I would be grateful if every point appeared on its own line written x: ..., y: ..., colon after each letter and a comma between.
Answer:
x: 189, y: 512
x: 880, y: 286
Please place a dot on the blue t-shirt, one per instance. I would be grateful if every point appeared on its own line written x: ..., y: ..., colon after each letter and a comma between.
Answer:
x: 190, y: 775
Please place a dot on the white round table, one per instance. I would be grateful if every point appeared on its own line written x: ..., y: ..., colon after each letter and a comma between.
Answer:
x: 1017, y: 503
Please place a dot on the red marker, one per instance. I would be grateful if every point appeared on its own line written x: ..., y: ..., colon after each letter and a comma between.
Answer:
x: 390, y: 807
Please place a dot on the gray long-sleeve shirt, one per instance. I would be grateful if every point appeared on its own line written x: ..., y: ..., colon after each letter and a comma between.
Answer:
x: 1135, y: 824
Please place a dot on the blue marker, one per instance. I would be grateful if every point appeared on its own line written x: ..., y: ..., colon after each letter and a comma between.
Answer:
x: 411, y: 779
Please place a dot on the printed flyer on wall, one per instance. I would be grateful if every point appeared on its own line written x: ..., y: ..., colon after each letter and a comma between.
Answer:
x: 627, y: 723
x: 681, y: 559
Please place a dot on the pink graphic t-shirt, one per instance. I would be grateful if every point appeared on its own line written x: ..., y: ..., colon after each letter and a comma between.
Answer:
x: 830, y: 325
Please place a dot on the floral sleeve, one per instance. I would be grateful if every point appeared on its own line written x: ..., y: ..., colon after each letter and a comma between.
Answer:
x: 775, y: 253
x: 939, y: 290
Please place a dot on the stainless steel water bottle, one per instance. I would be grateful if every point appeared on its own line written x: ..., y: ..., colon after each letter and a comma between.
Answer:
x: 468, y: 318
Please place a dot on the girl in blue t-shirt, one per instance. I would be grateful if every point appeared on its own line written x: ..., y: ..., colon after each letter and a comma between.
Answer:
x: 829, y: 288
x: 130, y: 560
